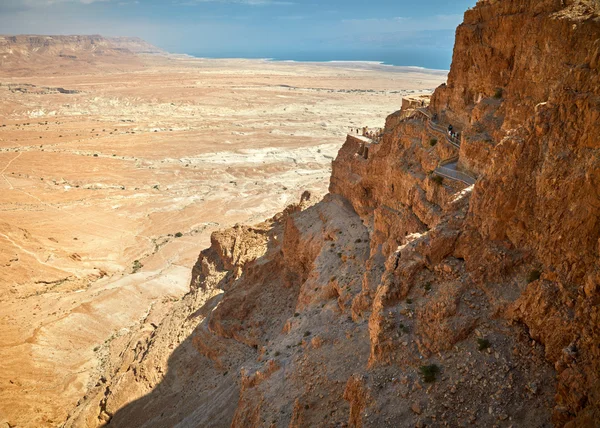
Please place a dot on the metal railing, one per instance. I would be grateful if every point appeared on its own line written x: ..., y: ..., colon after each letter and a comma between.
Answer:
x: 438, y: 128
x: 454, y: 175
x: 453, y: 159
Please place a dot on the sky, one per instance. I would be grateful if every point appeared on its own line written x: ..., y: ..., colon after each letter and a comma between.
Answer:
x: 399, y: 32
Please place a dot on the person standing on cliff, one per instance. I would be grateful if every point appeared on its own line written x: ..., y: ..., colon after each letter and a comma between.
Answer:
x: 450, y: 130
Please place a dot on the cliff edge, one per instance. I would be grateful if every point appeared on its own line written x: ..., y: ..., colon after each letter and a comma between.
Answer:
x: 446, y: 280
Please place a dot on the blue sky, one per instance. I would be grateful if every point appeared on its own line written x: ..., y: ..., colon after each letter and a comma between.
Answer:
x: 417, y: 33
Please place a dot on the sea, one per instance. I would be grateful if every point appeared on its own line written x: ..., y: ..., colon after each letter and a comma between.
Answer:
x: 430, y: 59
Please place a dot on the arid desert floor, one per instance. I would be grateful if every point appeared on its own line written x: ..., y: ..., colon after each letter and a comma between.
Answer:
x: 112, y: 181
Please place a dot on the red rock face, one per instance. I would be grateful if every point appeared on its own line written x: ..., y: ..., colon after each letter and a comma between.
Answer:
x: 533, y: 101
x: 405, y: 300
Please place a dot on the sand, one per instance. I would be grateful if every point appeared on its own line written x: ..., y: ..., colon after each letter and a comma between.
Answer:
x: 107, y: 195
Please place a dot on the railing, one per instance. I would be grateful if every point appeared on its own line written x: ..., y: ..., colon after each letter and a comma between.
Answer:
x: 437, y: 128
x: 453, y: 159
x: 454, y: 175
x: 424, y: 112
x: 442, y: 170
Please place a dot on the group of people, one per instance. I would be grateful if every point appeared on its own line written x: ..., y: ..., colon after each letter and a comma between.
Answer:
x: 375, y: 135
x: 452, y: 134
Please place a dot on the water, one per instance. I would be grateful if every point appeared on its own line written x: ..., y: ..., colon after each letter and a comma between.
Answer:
x: 427, y: 58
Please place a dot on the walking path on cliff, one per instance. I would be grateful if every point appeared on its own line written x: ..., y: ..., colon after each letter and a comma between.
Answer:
x: 449, y: 169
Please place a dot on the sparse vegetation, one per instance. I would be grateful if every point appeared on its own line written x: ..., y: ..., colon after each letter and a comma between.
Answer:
x: 498, y: 94
x: 427, y: 286
x: 534, y: 275
x: 409, y: 301
x: 433, y: 142
x: 137, y: 265
x: 296, y: 314
x: 306, y: 333
x: 483, y: 344
x: 437, y: 179
x: 429, y: 372
x: 178, y: 235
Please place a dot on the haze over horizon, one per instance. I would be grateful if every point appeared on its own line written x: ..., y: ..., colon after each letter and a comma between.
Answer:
x: 398, y: 33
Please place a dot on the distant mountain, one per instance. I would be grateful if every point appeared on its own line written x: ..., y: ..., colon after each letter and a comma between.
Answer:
x: 23, y: 53
x: 135, y: 45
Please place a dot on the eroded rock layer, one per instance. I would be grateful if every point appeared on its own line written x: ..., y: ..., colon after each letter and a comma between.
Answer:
x: 404, y: 299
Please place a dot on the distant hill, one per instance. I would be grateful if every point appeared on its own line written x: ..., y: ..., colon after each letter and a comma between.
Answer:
x: 135, y: 45
x: 24, y: 53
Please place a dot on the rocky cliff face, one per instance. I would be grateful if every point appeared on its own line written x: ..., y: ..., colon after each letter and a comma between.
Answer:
x: 402, y: 299
x: 22, y: 53
x: 135, y: 45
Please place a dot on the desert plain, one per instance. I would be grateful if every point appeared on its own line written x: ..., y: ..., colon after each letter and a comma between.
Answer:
x: 112, y: 178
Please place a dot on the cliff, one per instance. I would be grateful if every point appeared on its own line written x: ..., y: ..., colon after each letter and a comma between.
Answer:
x: 22, y: 54
x: 135, y: 45
x: 404, y: 298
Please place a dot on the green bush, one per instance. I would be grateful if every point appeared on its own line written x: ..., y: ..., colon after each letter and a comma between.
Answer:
x: 483, y: 344
x: 498, y: 94
x: 534, y: 275
x: 178, y: 235
x: 429, y: 372
x: 433, y: 142
x: 137, y: 265
x: 438, y: 179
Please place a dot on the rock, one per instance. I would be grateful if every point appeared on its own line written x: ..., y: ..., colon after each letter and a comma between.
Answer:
x: 416, y: 408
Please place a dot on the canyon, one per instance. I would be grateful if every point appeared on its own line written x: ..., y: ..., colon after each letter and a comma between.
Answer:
x: 117, y: 162
x: 439, y: 281
x: 405, y: 297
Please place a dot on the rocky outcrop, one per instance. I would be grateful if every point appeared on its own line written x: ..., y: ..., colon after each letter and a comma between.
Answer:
x: 403, y: 299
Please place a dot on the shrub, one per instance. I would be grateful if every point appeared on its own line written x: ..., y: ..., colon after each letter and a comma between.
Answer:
x: 178, y: 235
x: 427, y: 286
x: 534, y: 275
x: 483, y: 344
x: 296, y: 314
x: 409, y: 301
x: 306, y: 333
x: 438, y: 179
x: 137, y: 266
x: 498, y: 94
x: 433, y: 142
x: 429, y: 372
